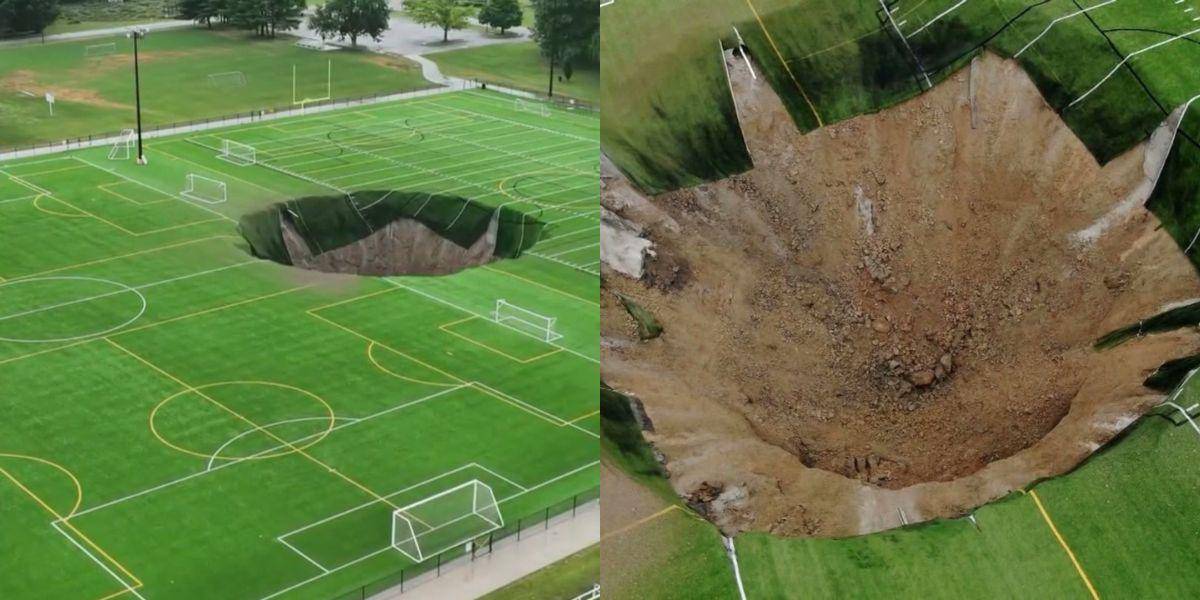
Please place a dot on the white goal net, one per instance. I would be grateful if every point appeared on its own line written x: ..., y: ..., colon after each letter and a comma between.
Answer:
x: 526, y: 321
x: 98, y: 50
x: 238, y: 153
x: 536, y: 108
x: 204, y: 189
x: 446, y: 520
x: 123, y: 146
x: 227, y: 80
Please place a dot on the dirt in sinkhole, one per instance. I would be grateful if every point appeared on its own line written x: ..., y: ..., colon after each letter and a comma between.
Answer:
x: 891, y: 319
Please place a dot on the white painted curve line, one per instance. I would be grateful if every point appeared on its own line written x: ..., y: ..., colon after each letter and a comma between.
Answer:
x: 1127, y: 59
x: 1056, y: 21
x: 937, y: 18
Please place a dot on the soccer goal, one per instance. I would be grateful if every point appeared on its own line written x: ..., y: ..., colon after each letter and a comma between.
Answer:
x: 123, y: 146
x: 537, y: 108
x: 227, y: 79
x: 237, y: 153
x: 445, y: 520
x: 204, y: 189
x: 98, y: 50
x: 526, y: 321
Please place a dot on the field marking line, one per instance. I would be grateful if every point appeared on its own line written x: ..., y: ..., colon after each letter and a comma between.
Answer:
x: 501, y: 477
x: 59, y: 170
x: 904, y: 40
x: 29, y: 185
x: 471, y: 312
x: 784, y: 62
x: 303, y: 555
x: 40, y: 208
x: 121, y: 256
x: 529, y: 408
x: 60, y: 468
x: 583, y: 268
x: 371, y: 357
x: 218, y: 404
x: 200, y: 206
x: 1062, y: 542
x: 935, y: 19
x: 445, y: 327
x: 570, y: 250
x: 1125, y: 60
x: 224, y: 174
x: 202, y: 473
x: 66, y: 522
x: 541, y: 285
x: 125, y: 230
x: 213, y: 309
x: 125, y: 585
x: 640, y: 522
x: 104, y: 187
x: 216, y: 455
x: 521, y: 124
x: 582, y: 417
x: 1056, y: 21
x: 124, y: 290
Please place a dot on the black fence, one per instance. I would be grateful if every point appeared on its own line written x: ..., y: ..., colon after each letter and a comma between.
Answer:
x: 482, y: 546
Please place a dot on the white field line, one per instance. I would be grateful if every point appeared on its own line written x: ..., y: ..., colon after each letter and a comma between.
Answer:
x: 316, y: 140
x: 558, y: 151
x: 390, y: 548
x: 303, y: 555
x: 575, y: 216
x: 564, y: 263
x: 501, y: 477
x: 191, y: 476
x: 558, y: 254
x: 201, y: 206
x: 525, y: 125
x: 128, y: 588
x: 731, y: 552
x: 1126, y: 60
x: 216, y: 455
x: 124, y: 290
x: 935, y: 19
x: 487, y: 318
x: 583, y: 119
x: 276, y: 144
x: 1056, y: 22
x: 904, y: 40
x: 487, y: 186
x: 8, y: 200
x: 521, y: 404
x: 486, y: 160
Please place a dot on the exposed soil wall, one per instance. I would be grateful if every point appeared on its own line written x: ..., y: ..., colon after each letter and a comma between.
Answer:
x: 891, y: 319
x: 402, y: 247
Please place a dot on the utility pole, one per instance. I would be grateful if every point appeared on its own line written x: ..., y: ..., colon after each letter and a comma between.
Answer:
x: 136, y: 34
x: 556, y: 15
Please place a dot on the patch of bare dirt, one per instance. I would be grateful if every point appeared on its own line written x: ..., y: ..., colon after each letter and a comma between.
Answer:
x: 891, y: 319
x: 22, y: 79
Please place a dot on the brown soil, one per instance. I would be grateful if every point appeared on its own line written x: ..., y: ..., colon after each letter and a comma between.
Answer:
x: 28, y: 80
x: 403, y: 247
x: 891, y: 319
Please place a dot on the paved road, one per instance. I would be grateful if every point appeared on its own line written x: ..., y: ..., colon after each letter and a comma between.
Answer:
x: 103, y: 32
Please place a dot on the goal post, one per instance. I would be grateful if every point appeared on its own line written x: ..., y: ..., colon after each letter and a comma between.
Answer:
x: 227, y: 79
x: 98, y: 50
x: 123, y: 146
x: 204, y: 189
x: 526, y: 321
x: 537, y: 108
x: 238, y: 153
x: 445, y: 520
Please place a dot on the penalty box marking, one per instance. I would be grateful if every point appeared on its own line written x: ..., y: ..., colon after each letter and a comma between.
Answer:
x: 448, y: 328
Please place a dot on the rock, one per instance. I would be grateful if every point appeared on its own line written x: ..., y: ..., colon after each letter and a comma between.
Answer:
x: 947, y: 362
x: 881, y: 326
x: 922, y: 378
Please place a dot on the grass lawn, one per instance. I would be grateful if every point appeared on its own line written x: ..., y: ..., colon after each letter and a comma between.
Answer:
x: 95, y: 93
x: 177, y: 410
x: 519, y: 65
x: 102, y: 14
x: 564, y: 579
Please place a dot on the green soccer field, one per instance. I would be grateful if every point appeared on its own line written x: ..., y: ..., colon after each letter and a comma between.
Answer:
x: 183, y: 420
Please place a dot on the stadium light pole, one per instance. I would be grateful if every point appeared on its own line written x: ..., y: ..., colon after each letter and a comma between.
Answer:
x: 136, y: 34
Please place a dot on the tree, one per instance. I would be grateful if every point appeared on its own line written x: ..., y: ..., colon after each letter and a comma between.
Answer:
x: 501, y: 14
x: 27, y: 16
x: 567, y: 32
x: 265, y: 16
x: 202, y: 11
x: 351, y: 18
x: 446, y: 14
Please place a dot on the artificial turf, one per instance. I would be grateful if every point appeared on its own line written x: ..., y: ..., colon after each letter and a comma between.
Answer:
x: 186, y: 421
x: 519, y: 65
x: 95, y: 94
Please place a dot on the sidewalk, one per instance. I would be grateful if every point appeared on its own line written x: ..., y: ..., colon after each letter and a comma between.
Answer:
x: 509, y: 561
x: 103, y: 32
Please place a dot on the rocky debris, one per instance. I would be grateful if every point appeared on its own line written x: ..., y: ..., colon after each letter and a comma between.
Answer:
x: 622, y: 247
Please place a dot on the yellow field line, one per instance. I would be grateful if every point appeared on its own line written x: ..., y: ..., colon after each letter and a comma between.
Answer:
x: 582, y: 417
x: 541, y: 285
x: 371, y: 357
x: 41, y: 208
x: 256, y: 426
x: 116, y: 594
x: 131, y: 254
x: 36, y: 173
x: 104, y: 187
x: 64, y: 470
x: 784, y: 62
x: 641, y: 521
x: 67, y: 523
x: 1062, y: 542
x: 223, y: 173
x: 445, y: 327
x: 460, y: 380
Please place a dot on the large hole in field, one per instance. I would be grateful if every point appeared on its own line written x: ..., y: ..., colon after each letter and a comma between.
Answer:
x: 388, y: 232
x: 900, y: 298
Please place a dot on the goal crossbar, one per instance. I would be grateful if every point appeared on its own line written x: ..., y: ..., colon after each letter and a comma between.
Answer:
x: 538, y: 108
